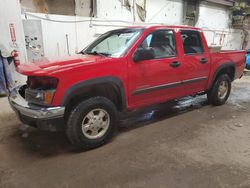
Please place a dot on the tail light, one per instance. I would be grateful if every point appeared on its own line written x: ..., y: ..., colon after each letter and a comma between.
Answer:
x: 15, y: 55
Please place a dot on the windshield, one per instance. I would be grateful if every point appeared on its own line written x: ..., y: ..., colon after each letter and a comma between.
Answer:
x: 114, y: 43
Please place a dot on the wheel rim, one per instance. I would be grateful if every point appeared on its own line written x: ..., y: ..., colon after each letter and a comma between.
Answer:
x: 223, y: 90
x: 96, y: 123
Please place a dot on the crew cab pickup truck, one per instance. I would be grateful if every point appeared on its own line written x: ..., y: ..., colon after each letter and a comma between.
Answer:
x: 122, y: 70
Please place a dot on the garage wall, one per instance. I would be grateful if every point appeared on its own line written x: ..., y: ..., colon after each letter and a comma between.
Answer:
x: 113, y: 14
x: 158, y: 11
x: 80, y: 32
x: 56, y: 33
x: 66, y: 7
x: 162, y: 11
x: 211, y: 16
x: 215, y: 21
x: 113, y: 10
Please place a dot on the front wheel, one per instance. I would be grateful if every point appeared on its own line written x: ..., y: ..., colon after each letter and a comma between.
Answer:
x: 220, y: 90
x: 91, y: 123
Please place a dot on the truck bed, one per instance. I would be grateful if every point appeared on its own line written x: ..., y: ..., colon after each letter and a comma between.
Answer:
x: 230, y: 56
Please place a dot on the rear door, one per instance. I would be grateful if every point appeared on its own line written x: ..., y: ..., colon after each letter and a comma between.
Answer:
x: 195, y: 61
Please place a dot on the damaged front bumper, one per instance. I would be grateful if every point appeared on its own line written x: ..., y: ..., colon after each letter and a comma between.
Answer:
x: 44, y: 118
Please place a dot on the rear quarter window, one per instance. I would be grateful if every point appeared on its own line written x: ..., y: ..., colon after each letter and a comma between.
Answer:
x: 191, y: 41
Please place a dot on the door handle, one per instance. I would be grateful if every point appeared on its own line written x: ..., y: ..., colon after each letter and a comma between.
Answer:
x: 175, y: 64
x: 203, y: 60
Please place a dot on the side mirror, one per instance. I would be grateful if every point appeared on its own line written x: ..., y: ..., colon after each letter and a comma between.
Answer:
x: 143, y: 54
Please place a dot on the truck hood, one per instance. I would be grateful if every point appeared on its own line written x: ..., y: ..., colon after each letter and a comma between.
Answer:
x: 47, y: 66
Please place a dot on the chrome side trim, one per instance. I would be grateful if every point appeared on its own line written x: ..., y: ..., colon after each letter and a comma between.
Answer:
x: 149, y: 89
x: 169, y: 85
x: 22, y: 107
x: 194, y: 80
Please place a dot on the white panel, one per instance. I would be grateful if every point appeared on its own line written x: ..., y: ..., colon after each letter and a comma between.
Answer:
x: 33, y: 39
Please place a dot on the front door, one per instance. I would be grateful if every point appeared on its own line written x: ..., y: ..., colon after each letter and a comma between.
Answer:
x: 157, y: 79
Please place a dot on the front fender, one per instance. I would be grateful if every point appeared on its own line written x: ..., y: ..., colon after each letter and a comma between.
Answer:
x: 80, y: 86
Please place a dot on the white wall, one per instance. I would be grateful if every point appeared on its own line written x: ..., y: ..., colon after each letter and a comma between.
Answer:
x: 111, y: 14
x: 212, y: 17
x: 158, y: 11
x: 10, y: 13
x: 113, y: 10
x: 164, y: 11
x: 81, y: 31
x: 216, y: 24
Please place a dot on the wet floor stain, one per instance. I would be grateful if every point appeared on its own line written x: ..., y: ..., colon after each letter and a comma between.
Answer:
x: 145, y: 116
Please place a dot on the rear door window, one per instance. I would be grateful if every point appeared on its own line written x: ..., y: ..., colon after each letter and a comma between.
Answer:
x: 192, y: 43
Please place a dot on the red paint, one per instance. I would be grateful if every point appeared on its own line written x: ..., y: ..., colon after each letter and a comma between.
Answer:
x: 12, y: 32
x: 134, y: 76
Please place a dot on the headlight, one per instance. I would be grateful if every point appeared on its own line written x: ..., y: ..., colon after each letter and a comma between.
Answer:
x: 41, y: 97
x: 41, y: 90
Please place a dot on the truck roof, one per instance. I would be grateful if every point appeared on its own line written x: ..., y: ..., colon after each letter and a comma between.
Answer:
x: 167, y: 26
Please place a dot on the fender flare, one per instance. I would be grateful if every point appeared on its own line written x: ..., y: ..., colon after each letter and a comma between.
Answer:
x: 224, y: 65
x: 74, y: 89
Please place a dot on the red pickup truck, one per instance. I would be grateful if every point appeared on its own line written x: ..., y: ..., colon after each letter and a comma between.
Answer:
x: 122, y: 70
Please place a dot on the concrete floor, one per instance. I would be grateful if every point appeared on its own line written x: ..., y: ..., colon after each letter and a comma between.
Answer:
x: 180, y: 144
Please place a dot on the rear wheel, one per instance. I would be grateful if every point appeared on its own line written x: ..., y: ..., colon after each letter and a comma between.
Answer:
x: 220, y: 90
x: 91, y: 123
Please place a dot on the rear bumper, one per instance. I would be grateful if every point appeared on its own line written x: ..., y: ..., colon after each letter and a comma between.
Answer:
x: 45, y: 118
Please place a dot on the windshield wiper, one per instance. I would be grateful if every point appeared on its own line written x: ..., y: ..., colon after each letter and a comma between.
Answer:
x: 96, y: 53
x: 81, y: 52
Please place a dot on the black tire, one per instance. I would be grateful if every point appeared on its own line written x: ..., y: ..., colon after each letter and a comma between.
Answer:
x: 213, y: 93
x: 248, y: 67
x: 78, y: 113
